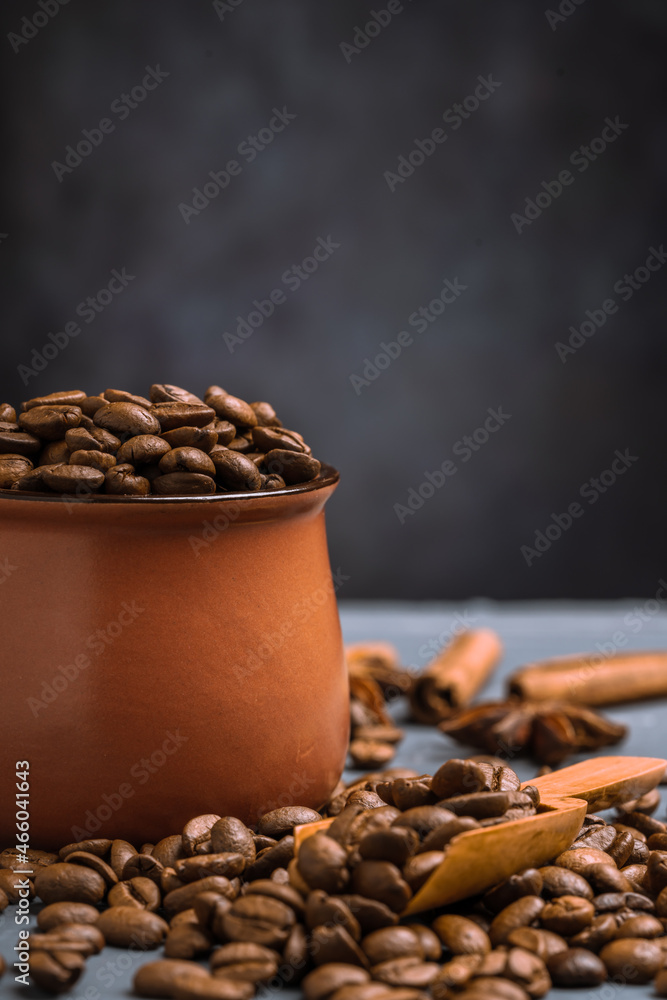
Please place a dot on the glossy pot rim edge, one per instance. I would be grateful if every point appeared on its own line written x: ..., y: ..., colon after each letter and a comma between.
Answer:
x: 327, y: 477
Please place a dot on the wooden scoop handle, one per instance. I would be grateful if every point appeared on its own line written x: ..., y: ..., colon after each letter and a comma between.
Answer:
x: 603, y: 781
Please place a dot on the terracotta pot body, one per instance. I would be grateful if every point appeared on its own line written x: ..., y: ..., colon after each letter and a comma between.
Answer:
x: 163, y: 658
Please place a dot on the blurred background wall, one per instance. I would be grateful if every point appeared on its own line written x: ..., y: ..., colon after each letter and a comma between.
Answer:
x: 320, y: 105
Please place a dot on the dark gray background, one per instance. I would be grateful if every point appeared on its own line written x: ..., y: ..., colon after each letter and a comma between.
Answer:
x: 324, y: 175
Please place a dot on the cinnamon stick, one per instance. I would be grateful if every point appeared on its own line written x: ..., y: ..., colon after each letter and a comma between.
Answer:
x: 592, y: 679
x: 455, y: 676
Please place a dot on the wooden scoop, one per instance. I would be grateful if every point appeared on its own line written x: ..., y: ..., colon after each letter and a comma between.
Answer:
x: 479, y: 859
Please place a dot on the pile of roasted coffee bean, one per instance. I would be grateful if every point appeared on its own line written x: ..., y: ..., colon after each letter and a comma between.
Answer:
x: 170, y: 444
x: 238, y: 914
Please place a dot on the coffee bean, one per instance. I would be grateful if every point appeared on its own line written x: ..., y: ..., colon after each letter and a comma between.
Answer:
x: 57, y: 971
x: 332, y: 943
x: 492, y: 988
x: 235, y: 471
x: 185, y: 483
x: 71, y: 397
x: 272, y: 482
x: 231, y: 408
x: 230, y: 834
x: 371, y: 913
x: 169, y: 850
x: 322, y: 863
x: 205, y: 438
x: 636, y: 960
x: 542, y: 943
x: 366, y: 753
x: 10, y: 858
x: 407, y: 971
x: 245, y: 961
x: 12, y: 469
x: 72, y: 478
x: 157, y: 979
x: 129, y: 927
x: 521, y: 913
x: 406, y: 793
x: 283, y: 820
x: 424, y: 819
x: 395, y: 844
x: 226, y: 432
x: 576, y: 967
x: 95, y: 862
x: 392, y: 942
x: 621, y: 848
x: 174, y: 414
x: 119, y: 853
x: 645, y: 824
x: 100, y: 847
x: 418, y: 870
x: 484, y: 805
x: 657, y: 842
x: 70, y: 883
x: 202, y: 865
x: 8, y: 413
x: 601, y: 930
x: 461, y: 936
x: 121, y: 396
x: 499, y: 777
x: 266, y: 415
x: 325, y: 980
x: 140, y: 892
x: 579, y: 860
x: 657, y: 871
x: 529, y: 882
x: 458, y: 777
x: 441, y: 836
x: 324, y: 909
x: 293, y: 467
x: 567, y: 915
x: 209, y: 988
x: 123, y: 481
x: 144, y: 866
x: 599, y: 837
x: 607, y: 878
x: 277, y: 856
x: 143, y: 449
x: 52, y: 916
x: 95, y: 459
x: 187, y: 940
x: 127, y: 419
x: 86, y: 935
x: 18, y: 442
x: 382, y: 881
x: 50, y: 423
x: 172, y: 394
x: 267, y: 438
x: 259, y: 919
x: 183, y: 898
x: 90, y: 404
x: 186, y: 460
x: 10, y: 883
x: 641, y: 926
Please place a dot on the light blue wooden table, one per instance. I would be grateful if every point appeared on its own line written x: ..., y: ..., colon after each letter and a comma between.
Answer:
x: 529, y: 632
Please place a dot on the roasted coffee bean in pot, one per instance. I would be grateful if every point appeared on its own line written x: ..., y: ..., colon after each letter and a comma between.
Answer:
x: 126, y: 419
x: 12, y: 469
x: 95, y: 459
x: 183, y: 483
x: 50, y: 423
x: 293, y: 466
x: 205, y: 438
x: 186, y: 459
x: 17, y: 442
x: 143, y: 449
x: 72, y: 478
x: 231, y: 408
x: 234, y: 471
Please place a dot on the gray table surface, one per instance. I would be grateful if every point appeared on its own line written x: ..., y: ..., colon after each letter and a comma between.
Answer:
x: 529, y: 632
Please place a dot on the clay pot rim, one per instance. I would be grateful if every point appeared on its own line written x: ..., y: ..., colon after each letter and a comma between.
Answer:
x: 328, y: 476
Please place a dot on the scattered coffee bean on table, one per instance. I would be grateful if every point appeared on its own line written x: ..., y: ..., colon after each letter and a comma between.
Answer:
x: 234, y: 912
x: 171, y: 443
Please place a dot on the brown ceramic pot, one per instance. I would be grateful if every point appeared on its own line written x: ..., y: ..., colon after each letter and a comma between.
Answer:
x: 166, y: 657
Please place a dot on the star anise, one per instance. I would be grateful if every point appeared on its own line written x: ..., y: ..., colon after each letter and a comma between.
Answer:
x: 549, y: 731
